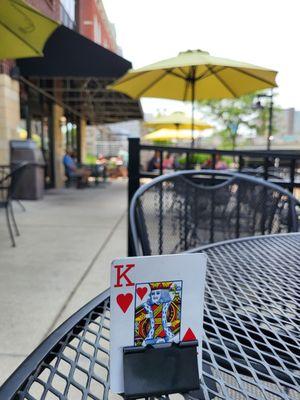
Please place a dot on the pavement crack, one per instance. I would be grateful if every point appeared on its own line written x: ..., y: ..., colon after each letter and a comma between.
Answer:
x: 84, y: 275
x: 12, y: 355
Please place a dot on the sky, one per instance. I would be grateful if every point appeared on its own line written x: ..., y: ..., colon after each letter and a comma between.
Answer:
x: 261, y: 32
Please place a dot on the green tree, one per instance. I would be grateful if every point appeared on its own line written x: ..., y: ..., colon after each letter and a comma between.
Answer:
x: 262, y: 117
x: 230, y: 115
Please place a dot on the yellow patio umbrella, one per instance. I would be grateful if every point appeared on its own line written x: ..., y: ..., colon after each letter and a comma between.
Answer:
x: 23, y: 136
x: 23, y: 30
x: 164, y: 134
x: 176, y: 120
x: 195, y: 75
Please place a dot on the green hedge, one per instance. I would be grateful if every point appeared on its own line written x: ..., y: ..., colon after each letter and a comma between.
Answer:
x: 194, y: 159
x: 90, y: 159
x: 199, y: 159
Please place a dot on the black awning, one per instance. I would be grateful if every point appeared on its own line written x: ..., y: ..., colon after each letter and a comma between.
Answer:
x: 69, y: 54
x: 76, y: 71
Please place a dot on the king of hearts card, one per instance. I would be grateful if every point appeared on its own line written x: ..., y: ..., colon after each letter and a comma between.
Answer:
x: 155, y: 299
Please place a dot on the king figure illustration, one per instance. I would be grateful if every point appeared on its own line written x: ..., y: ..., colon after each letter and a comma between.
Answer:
x: 157, y: 320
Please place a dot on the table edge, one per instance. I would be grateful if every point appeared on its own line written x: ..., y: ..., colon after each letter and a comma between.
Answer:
x: 238, y: 240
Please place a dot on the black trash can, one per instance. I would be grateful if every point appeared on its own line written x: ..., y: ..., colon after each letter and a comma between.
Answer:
x: 31, y: 186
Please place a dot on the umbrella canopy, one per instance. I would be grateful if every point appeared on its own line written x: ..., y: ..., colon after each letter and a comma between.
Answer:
x: 195, y: 75
x: 162, y: 135
x: 23, y: 30
x: 176, y: 120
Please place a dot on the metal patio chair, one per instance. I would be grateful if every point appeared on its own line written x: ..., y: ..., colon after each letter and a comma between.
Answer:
x: 5, y: 169
x: 8, y: 186
x: 187, y: 209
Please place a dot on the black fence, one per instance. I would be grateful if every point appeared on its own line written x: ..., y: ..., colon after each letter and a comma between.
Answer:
x: 279, y: 166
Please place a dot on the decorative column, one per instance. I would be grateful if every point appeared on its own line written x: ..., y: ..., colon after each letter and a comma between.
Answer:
x: 9, y: 114
x: 83, y: 139
x: 57, y: 113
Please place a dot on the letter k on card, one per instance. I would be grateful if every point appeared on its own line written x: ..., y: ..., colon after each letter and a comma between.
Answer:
x: 122, y: 275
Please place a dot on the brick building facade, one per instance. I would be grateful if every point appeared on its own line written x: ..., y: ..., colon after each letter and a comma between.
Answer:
x: 23, y: 107
x: 51, y: 8
x: 93, y: 23
x: 12, y: 102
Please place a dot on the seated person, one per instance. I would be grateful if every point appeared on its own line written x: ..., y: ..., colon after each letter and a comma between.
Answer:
x: 71, y: 169
x: 168, y: 162
x: 154, y: 162
x: 101, y: 166
x: 207, y: 164
x: 220, y: 164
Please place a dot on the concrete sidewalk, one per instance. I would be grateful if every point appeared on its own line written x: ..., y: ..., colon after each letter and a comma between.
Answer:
x: 61, y: 261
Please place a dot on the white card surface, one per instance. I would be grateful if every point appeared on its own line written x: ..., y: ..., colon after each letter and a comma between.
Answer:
x: 155, y: 299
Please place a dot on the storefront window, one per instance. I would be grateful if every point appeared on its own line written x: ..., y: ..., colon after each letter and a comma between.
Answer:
x: 67, y: 13
x: 97, y: 30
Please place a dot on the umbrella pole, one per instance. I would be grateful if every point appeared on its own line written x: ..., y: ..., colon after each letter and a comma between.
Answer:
x: 193, y: 109
x: 193, y: 104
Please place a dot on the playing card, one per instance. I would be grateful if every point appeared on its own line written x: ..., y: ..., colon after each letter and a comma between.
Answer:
x: 156, y: 299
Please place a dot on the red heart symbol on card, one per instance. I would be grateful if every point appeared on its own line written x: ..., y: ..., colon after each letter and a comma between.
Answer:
x: 141, y: 291
x: 124, y: 301
x: 189, y: 335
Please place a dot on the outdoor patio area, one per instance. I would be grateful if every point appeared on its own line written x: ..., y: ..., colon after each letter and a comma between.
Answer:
x: 61, y: 261
x: 149, y: 201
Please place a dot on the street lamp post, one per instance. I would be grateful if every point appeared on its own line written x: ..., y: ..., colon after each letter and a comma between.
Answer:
x: 270, y: 125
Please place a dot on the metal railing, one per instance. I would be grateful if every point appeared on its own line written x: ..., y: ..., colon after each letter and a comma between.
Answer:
x: 277, y: 166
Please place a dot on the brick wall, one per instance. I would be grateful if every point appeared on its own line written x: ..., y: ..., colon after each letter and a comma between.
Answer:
x: 6, y: 66
x: 51, y: 8
x: 92, y: 23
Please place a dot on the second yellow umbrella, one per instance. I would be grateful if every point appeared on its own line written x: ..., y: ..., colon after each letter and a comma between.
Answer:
x: 163, y: 135
x: 176, y: 120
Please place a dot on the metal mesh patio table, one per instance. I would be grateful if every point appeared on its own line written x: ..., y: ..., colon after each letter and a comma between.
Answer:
x: 251, y: 346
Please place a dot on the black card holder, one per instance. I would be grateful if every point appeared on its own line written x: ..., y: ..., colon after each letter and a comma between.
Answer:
x: 160, y: 369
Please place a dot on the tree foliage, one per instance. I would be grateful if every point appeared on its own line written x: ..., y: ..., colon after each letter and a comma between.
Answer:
x: 232, y: 115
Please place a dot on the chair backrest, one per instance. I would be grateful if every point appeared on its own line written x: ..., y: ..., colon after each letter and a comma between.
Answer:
x: 10, y: 181
x: 4, y: 172
x: 187, y: 209
x: 259, y: 172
